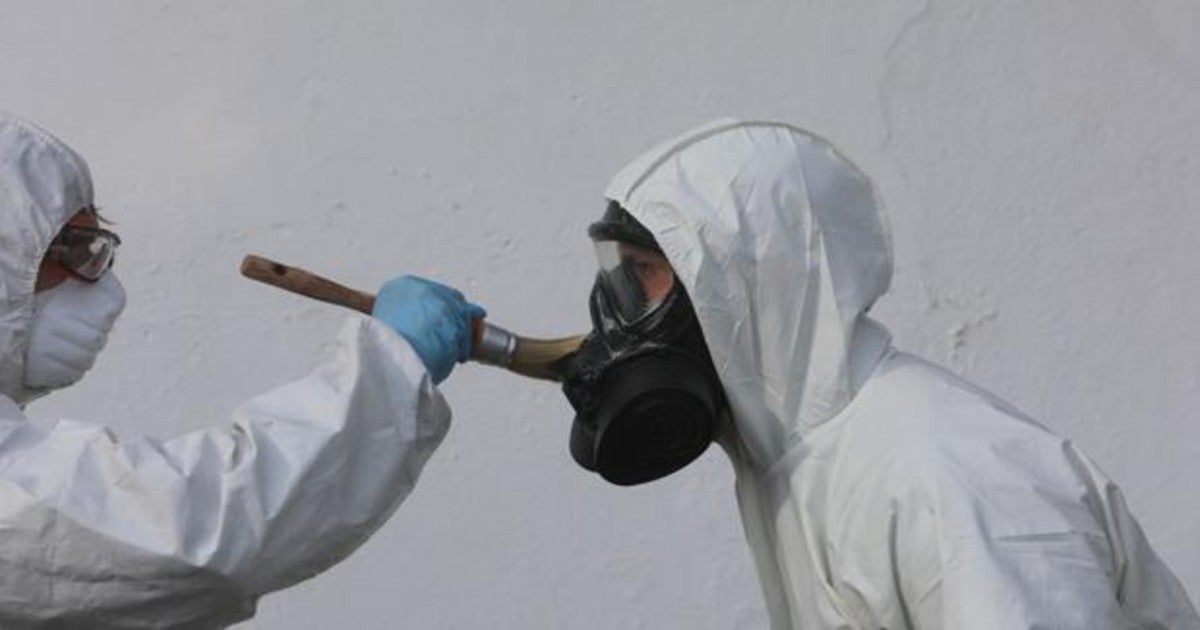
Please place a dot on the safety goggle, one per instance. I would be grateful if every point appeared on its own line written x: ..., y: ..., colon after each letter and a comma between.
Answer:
x: 85, y: 252
x: 637, y: 279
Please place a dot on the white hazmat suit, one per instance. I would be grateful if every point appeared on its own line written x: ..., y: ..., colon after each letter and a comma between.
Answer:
x: 876, y: 490
x: 98, y: 532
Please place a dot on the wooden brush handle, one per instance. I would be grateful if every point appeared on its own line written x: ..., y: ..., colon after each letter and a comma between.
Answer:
x: 305, y: 283
x: 311, y: 285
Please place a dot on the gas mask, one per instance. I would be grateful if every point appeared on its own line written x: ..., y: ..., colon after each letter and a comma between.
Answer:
x: 643, y: 386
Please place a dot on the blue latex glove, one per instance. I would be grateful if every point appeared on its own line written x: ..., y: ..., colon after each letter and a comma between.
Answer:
x: 434, y: 318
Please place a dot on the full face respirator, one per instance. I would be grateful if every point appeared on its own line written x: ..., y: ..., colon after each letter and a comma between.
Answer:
x: 642, y: 384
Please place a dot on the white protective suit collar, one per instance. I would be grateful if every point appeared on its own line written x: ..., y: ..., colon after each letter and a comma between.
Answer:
x: 782, y: 246
x: 43, y: 183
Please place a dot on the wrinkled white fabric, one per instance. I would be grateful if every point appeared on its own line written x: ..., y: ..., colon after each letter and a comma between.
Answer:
x: 876, y: 490
x: 70, y: 326
x: 99, y: 532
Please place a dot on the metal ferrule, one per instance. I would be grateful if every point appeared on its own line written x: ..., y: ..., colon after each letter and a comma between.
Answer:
x: 496, y: 346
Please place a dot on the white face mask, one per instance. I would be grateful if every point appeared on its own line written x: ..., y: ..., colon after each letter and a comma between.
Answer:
x: 69, y: 329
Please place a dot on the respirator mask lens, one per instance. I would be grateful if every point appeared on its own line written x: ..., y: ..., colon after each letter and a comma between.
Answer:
x: 636, y: 279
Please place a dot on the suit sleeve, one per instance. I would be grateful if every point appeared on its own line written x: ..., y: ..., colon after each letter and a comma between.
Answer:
x: 190, y: 531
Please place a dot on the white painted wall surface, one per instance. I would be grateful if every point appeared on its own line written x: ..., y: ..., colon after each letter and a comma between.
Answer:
x: 1039, y: 160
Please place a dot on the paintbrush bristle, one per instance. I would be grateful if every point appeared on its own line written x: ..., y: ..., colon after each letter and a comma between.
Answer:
x: 543, y: 358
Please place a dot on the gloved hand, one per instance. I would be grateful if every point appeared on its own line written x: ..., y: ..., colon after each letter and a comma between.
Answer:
x: 434, y: 318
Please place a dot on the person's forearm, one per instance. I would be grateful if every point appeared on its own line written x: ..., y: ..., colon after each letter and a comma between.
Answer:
x: 299, y: 479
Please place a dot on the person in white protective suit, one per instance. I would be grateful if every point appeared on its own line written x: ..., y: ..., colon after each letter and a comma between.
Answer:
x: 99, y: 532
x: 876, y: 490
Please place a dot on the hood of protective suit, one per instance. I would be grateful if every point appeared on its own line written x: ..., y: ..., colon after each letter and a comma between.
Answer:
x: 876, y: 490
x: 43, y: 183
x: 782, y: 246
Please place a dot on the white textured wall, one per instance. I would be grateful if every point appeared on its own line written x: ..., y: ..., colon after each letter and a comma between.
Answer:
x: 1038, y: 158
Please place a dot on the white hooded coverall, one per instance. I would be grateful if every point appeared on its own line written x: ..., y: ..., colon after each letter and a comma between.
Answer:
x: 98, y: 532
x: 876, y: 490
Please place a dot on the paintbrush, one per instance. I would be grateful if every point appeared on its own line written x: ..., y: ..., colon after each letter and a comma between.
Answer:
x: 493, y: 345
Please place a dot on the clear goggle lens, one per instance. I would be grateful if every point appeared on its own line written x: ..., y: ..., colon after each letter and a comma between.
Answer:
x: 86, y: 252
x: 637, y: 279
